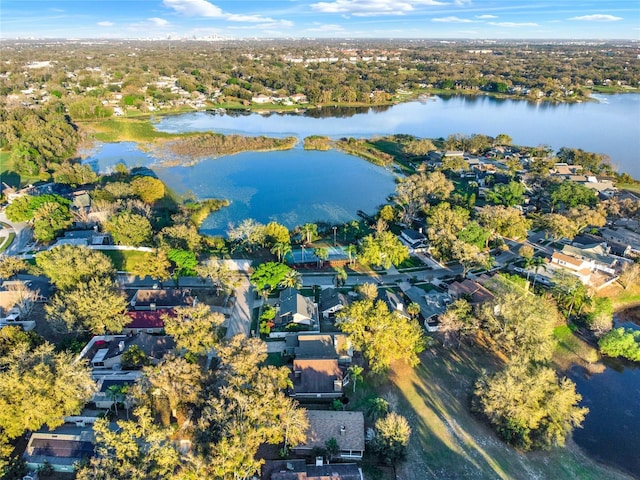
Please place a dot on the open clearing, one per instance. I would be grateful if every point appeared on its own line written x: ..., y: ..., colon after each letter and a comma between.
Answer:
x: 448, y: 442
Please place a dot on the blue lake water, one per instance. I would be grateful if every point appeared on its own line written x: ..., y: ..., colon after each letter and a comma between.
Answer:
x: 611, y: 126
x: 292, y: 187
x: 611, y: 430
x: 298, y: 186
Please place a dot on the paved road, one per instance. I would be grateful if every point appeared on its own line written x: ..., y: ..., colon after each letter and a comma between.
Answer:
x: 23, y: 236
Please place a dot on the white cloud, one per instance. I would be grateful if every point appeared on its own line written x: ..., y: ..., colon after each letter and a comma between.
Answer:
x: 372, y: 8
x: 202, y: 8
x: 451, y: 20
x: 598, y: 17
x: 513, y: 24
x: 105, y: 24
x: 159, y: 22
x: 194, y: 8
x: 486, y: 17
x: 326, y: 28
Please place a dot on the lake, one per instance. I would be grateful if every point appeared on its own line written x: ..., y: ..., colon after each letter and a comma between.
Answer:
x: 610, y: 126
x: 291, y: 187
x: 611, y: 429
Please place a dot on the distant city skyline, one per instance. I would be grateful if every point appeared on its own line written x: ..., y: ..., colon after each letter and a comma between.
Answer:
x: 471, y: 19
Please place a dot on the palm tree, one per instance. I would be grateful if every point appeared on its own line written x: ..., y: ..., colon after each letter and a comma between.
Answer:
x: 351, y: 253
x: 537, y: 263
x: 281, y: 249
x: 322, y: 253
x: 355, y: 375
x: 308, y: 231
x: 341, y: 276
x: 413, y: 309
x: 377, y: 408
x: 114, y: 393
x: 292, y: 279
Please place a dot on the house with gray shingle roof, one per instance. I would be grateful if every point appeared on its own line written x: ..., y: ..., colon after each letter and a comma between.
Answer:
x: 346, y: 427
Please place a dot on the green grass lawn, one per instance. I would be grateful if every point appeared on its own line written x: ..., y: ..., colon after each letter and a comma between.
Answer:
x: 631, y: 187
x: 9, y: 175
x: 126, y: 129
x: 126, y: 260
x: 448, y: 442
x: 7, y: 241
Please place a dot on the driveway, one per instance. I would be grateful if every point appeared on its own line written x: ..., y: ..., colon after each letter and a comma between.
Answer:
x: 239, y: 322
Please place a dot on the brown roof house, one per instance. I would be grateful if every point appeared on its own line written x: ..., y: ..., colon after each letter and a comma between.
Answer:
x: 323, y: 345
x: 316, y: 378
x: 299, y: 470
x: 347, y: 428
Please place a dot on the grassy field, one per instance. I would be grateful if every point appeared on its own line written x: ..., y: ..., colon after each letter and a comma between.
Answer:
x: 126, y: 130
x: 631, y: 187
x: 126, y: 260
x: 620, y: 297
x: 9, y: 175
x: 448, y: 442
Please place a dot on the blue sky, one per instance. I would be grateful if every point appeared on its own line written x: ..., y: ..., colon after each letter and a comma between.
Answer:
x: 566, y: 19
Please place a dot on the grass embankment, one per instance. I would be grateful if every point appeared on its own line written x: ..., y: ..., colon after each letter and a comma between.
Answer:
x: 199, y: 211
x: 448, y: 442
x: 630, y: 187
x: 365, y: 149
x: 622, y: 298
x: 317, y: 142
x: 139, y: 130
x: 7, y: 241
x: 215, y: 145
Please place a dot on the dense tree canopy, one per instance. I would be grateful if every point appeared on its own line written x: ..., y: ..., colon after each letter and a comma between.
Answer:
x: 521, y: 325
x: 40, y: 387
x: 68, y: 266
x: 382, y: 336
x: 268, y: 276
x: 383, y: 250
x: 195, y: 329
x: 129, y: 228
x: 529, y: 406
x: 96, y: 306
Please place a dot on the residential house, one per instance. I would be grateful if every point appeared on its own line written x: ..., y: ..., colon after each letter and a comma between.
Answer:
x: 104, y: 352
x: 162, y: 299
x: 62, y: 448
x: 625, y: 238
x: 316, y: 379
x: 299, y: 98
x: 103, y: 398
x: 299, y: 470
x: 336, y: 346
x: 347, y: 428
x: 415, y: 240
x: 261, y: 99
x: 16, y: 302
x: 470, y: 290
x: 578, y: 267
x: 149, y: 321
x: 331, y: 301
x: 432, y: 305
x: 597, y: 254
x: 565, y: 170
x: 295, y: 308
x: 393, y: 299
